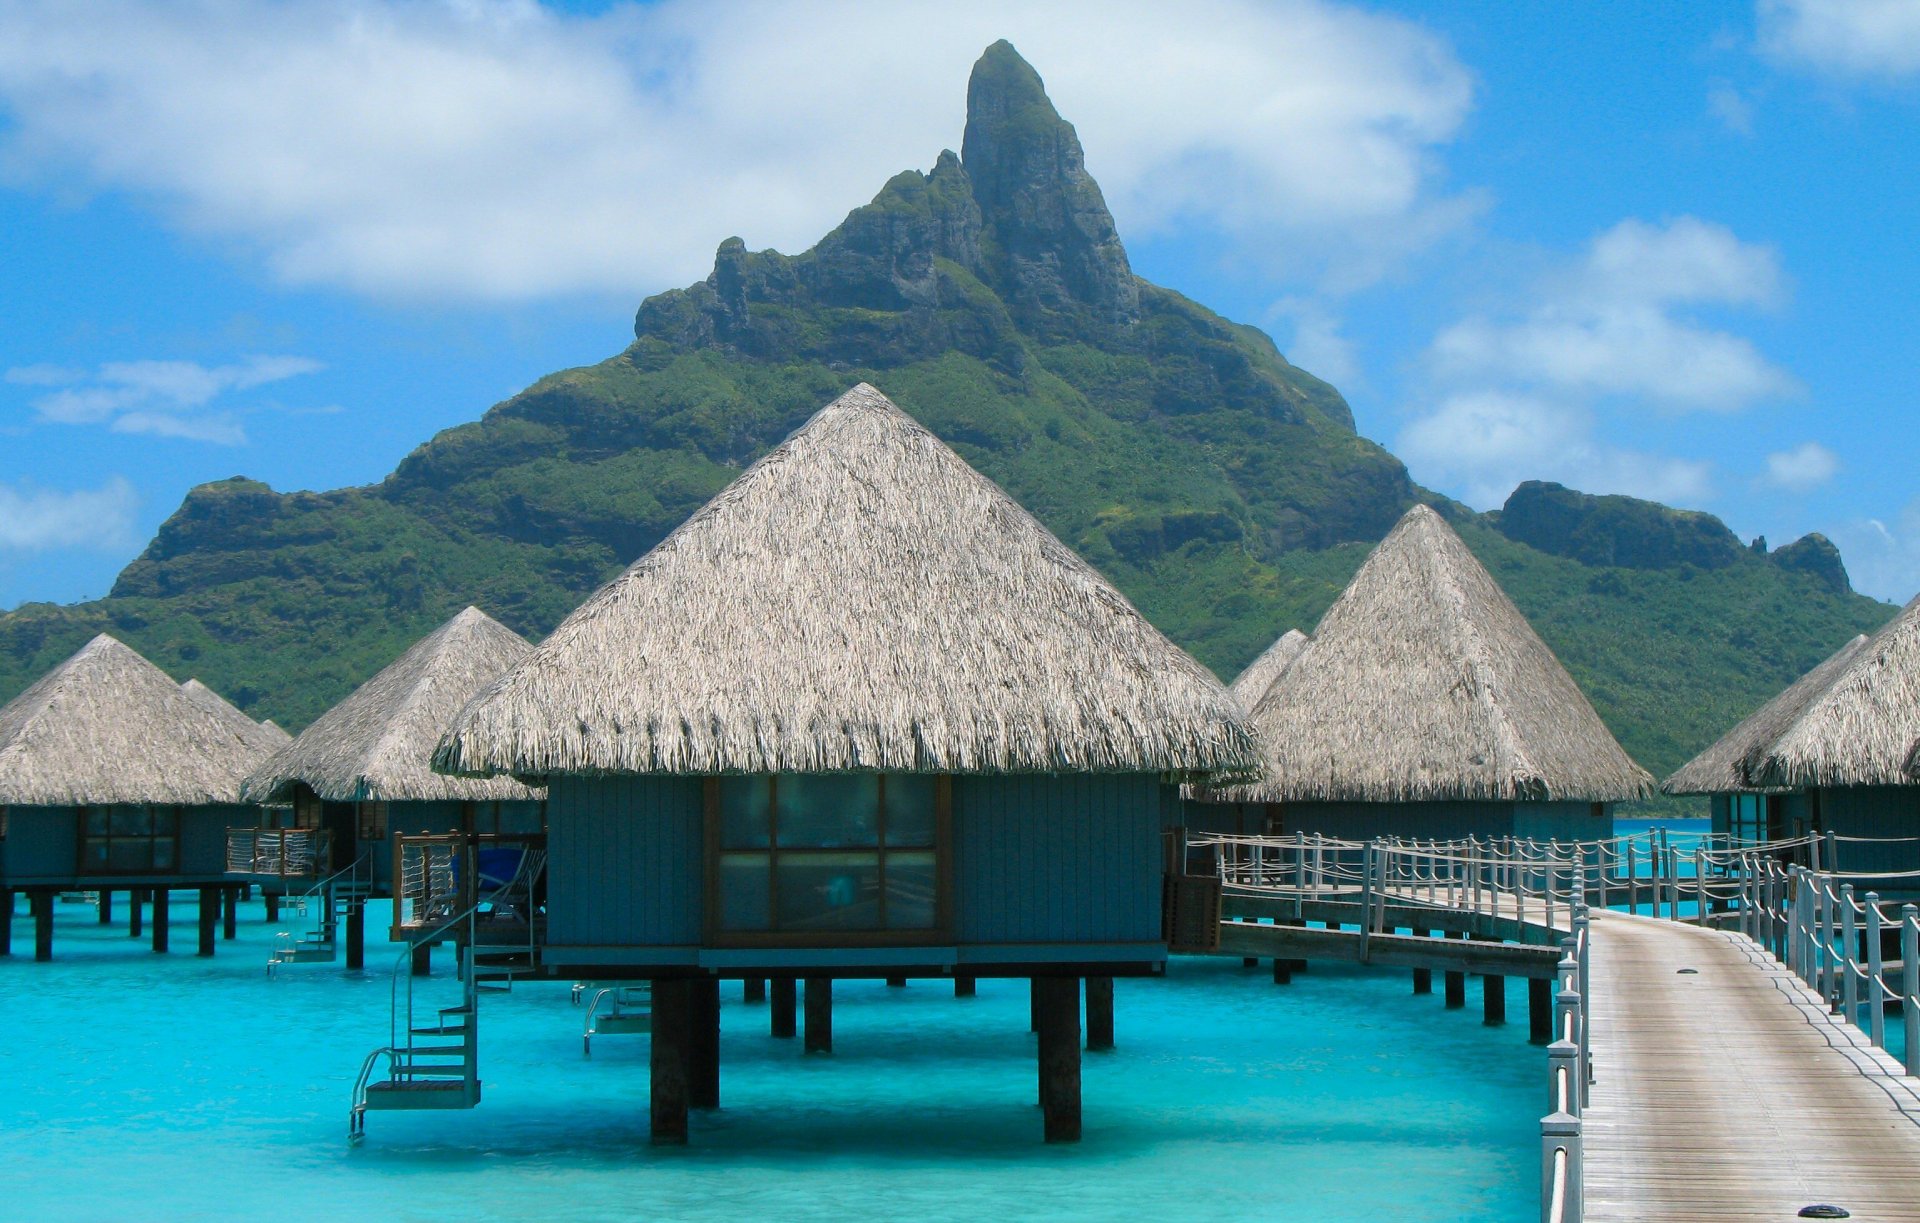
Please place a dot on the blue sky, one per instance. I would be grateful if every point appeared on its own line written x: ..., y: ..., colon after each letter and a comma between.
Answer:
x: 1647, y: 248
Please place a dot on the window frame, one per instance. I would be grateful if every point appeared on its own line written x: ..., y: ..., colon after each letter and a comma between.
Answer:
x: 715, y: 935
x: 85, y: 868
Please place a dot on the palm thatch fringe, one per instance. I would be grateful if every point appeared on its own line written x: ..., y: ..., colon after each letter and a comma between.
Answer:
x: 376, y: 745
x: 1252, y: 684
x: 1721, y: 768
x: 1862, y: 728
x: 108, y: 727
x: 266, y: 736
x: 858, y: 599
x: 1424, y: 682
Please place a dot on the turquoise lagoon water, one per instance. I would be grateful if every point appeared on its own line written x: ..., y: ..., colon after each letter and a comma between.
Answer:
x: 136, y: 1086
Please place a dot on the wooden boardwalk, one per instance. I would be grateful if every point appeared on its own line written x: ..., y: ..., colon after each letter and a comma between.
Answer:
x: 1730, y: 1092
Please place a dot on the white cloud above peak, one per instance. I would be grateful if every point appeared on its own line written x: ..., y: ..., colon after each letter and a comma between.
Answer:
x: 1803, y: 468
x: 162, y: 398
x: 481, y: 150
x: 1843, y: 38
x: 34, y: 519
x: 1614, y: 323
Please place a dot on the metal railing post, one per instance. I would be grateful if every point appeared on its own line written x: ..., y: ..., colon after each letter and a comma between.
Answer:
x: 1849, y: 957
x: 1700, y: 885
x: 1876, y: 984
x: 1910, y: 983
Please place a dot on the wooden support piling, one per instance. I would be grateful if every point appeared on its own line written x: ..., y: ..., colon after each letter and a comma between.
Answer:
x: 780, y: 1020
x: 136, y: 900
x: 1282, y: 972
x: 1100, y: 1013
x: 964, y: 987
x: 667, y: 1089
x: 6, y: 921
x: 1540, y: 1011
x: 40, y: 904
x: 819, y: 1015
x: 1059, y: 1056
x: 1455, y: 982
x: 897, y: 982
x: 753, y: 989
x: 1033, y: 1004
x: 229, y: 912
x: 1249, y: 961
x: 356, y: 934
x: 103, y: 909
x: 423, y: 960
x: 161, y: 918
x: 272, y: 902
x: 1493, y: 999
x: 703, y: 1047
x: 209, y: 919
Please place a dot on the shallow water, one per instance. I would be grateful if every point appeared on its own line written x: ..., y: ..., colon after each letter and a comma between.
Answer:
x: 137, y: 1086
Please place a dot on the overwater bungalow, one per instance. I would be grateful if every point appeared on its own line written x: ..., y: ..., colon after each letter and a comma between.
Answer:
x: 358, y: 780
x: 1738, y: 808
x: 1854, y: 749
x: 266, y: 735
x: 114, y: 777
x: 1426, y: 706
x: 859, y: 716
x: 1208, y: 811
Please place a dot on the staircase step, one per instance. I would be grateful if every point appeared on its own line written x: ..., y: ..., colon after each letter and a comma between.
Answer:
x: 451, y: 1029
x: 397, y: 1096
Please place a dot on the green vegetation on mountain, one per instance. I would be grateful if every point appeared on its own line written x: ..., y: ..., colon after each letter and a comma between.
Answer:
x: 1223, y: 489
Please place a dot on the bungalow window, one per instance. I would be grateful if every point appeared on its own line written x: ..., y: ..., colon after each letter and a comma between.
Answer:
x: 373, y: 821
x: 129, y: 840
x: 799, y: 856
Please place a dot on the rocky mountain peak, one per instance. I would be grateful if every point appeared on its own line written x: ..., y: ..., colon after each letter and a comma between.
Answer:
x: 1058, y: 249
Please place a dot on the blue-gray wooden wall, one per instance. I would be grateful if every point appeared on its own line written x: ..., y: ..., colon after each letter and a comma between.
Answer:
x: 42, y: 846
x: 1036, y: 859
x: 1063, y: 858
x: 1874, y: 811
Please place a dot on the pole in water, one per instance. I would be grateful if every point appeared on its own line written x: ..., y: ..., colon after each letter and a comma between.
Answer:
x: 819, y: 1015
x: 41, y: 905
x: 783, y: 1005
x: 1059, y: 1056
x: 1100, y: 1012
x: 105, y: 907
x: 965, y: 987
x: 136, y: 898
x: 703, y: 1049
x: 209, y: 919
x: 229, y: 912
x: 1455, y: 982
x: 753, y: 989
x: 672, y: 1032
x: 161, y: 919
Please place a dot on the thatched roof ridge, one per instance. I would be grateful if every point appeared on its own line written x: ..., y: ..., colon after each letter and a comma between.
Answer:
x: 1252, y: 684
x: 1721, y: 768
x: 266, y: 736
x: 377, y: 744
x: 1862, y: 728
x: 858, y: 599
x: 107, y: 727
x: 1423, y: 682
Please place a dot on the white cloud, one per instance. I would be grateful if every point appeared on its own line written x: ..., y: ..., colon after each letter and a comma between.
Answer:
x: 1611, y: 325
x: 1803, y: 468
x: 1481, y: 444
x: 1845, y: 38
x: 163, y: 398
x: 501, y: 150
x: 1731, y: 107
x: 1316, y: 344
x: 1883, y: 556
x: 35, y: 519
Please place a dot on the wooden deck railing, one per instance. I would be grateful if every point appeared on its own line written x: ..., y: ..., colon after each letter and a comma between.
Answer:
x: 283, y: 853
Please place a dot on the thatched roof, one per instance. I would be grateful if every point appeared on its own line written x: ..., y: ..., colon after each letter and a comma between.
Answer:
x: 107, y: 726
x: 1721, y: 768
x: 858, y: 599
x: 267, y: 737
x: 1424, y: 682
x: 1252, y: 684
x: 1862, y: 728
x: 376, y: 745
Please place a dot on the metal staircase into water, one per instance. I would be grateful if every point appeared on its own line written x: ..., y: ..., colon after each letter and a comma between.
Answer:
x: 333, y: 898
x: 432, y: 1056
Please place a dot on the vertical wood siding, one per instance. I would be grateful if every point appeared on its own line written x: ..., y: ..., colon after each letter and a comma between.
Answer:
x: 1066, y: 858
x: 624, y: 861
x: 1874, y: 811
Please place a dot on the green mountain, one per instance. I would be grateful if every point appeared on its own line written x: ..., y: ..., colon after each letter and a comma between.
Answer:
x: 1222, y: 488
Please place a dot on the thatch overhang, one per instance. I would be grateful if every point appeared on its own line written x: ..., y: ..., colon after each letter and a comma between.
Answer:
x: 1721, y: 769
x: 107, y: 727
x: 1862, y: 728
x: 859, y: 599
x: 1423, y: 683
x: 265, y: 736
x: 376, y: 746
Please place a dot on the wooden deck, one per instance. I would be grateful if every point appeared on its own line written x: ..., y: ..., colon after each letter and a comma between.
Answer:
x: 1729, y: 1092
